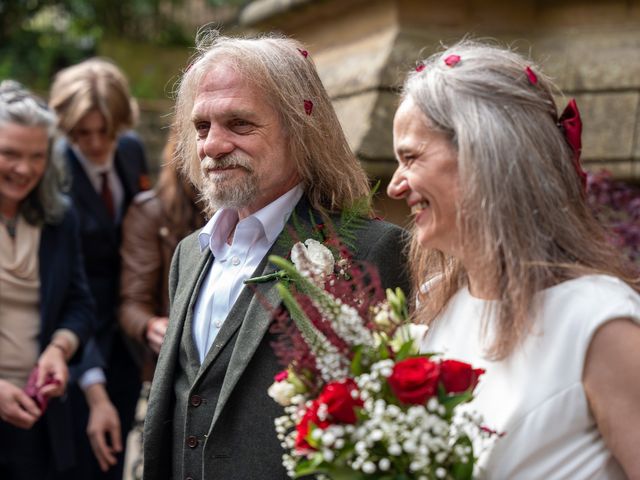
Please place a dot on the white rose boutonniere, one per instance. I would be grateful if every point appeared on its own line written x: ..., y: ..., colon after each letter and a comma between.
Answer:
x: 313, y: 260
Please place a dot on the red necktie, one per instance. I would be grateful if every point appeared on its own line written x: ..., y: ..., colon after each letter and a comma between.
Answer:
x: 107, y: 196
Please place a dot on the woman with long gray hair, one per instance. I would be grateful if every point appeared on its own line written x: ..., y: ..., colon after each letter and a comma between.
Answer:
x: 46, y: 310
x: 514, y: 274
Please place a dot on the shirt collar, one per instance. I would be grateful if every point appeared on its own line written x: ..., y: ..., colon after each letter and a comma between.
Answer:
x: 90, y: 167
x: 272, y: 218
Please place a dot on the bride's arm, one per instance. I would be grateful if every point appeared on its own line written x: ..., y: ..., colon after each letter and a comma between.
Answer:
x: 611, y: 381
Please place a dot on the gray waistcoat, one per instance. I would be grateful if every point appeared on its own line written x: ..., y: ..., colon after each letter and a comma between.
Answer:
x: 197, y: 395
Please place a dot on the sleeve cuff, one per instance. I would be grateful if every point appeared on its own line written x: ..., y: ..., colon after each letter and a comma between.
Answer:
x: 91, y: 377
x: 70, y: 338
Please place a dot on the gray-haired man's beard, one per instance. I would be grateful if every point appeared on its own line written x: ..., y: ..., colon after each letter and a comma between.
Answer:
x: 229, y: 190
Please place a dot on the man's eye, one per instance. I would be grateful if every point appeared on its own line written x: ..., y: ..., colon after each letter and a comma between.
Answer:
x: 9, y: 154
x: 407, y: 160
x: 240, y: 125
x: 202, y: 128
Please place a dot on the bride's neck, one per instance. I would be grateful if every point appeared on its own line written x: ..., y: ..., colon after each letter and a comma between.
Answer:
x: 481, y: 285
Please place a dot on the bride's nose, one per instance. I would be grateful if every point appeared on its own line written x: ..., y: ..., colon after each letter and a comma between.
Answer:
x: 398, y: 187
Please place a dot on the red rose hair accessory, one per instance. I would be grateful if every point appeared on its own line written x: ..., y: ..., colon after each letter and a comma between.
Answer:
x: 308, y: 107
x: 420, y: 67
x: 533, y: 78
x: 452, y: 60
x: 304, y: 53
x: 571, y: 126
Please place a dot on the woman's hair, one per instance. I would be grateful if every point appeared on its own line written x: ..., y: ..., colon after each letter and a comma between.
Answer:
x: 284, y: 72
x: 522, y: 210
x: 178, y: 196
x: 95, y: 84
x: 46, y: 203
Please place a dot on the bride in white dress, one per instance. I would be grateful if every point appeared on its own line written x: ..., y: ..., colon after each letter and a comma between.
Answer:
x: 521, y: 280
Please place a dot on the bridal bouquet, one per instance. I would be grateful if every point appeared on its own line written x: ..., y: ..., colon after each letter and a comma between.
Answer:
x: 360, y: 400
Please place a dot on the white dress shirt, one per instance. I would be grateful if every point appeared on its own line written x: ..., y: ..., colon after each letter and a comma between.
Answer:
x: 233, y: 264
x: 94, y: 172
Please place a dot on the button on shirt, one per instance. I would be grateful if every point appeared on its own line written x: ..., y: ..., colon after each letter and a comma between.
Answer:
x: 233, y: 264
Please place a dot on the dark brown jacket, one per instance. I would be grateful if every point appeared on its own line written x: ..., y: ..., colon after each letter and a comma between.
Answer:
x: 148, y: 242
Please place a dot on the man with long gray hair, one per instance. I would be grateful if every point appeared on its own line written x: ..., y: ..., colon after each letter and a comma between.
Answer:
x: 259, y: 137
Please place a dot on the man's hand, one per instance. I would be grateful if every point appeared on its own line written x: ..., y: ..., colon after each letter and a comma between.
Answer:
x: 52, y: 364
x: 156, y: 329
x: 16, y: 407
x: 103, y: 428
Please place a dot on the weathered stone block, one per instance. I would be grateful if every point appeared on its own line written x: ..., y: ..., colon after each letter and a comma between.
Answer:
x: 592, y: 60
x: 355, y: 67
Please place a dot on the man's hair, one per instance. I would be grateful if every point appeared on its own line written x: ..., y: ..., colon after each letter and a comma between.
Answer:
x: 94, y: 84
x: 332, y: 176
x: 46, y: 203
x: 522, y: 211
x: 177, y: 194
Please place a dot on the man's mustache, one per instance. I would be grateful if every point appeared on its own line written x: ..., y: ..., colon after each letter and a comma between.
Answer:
x: 232, y: 160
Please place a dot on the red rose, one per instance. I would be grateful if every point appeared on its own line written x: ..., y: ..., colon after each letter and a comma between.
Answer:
x: 340, y: 406
x: 414, y: 380
x: 458, y: 377
x: 281, y: 376
x: 337, y: 396
x: 303, y: 427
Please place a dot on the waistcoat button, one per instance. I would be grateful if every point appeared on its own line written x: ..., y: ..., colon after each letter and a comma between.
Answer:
x: 196, y: 400
x: 192, y: 441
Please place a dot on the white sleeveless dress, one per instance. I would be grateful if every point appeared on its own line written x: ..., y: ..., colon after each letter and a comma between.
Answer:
x: 535, y: 396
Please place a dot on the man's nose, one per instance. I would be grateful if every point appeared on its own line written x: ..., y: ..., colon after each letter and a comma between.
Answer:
x: 398, y: 188
x: 217, y: 144
x: 96, y: 141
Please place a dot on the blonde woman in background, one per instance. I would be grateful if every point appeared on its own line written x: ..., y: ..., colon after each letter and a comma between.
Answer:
x: 108, y: 168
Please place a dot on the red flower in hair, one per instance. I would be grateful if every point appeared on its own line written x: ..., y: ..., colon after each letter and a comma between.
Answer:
x: 308, y: 107
x: 533, y: 78
x: 304, y: 53
x: 452, y: 60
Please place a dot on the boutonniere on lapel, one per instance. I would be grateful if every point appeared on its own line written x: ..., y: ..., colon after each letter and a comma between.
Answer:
x: 326, y: 239
x: 309, y: 256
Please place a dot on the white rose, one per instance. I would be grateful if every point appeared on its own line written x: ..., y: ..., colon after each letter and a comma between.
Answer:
x: 282, y: 392
x: 312, y: 259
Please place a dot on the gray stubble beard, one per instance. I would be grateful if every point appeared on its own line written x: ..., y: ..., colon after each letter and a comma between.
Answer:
x: 226, y: 193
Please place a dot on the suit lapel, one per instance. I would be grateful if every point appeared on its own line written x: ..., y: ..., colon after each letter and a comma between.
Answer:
x: 261, y: 298
x: 127, y: 178
x: 46, y: 271
x: 192, y: 272
x: 253, y: 321
x: 86, y: 195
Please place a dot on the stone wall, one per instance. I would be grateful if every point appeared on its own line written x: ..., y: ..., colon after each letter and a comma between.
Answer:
x: 363, y: 48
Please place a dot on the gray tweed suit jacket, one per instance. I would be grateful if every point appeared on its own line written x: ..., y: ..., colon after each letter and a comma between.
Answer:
x: 216, y: 420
